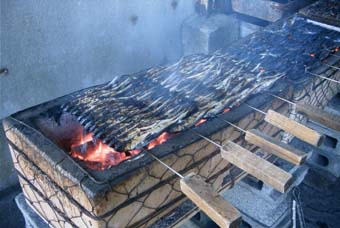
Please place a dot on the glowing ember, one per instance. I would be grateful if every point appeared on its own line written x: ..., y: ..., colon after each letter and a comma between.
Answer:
x: 98, y: 155
x: 226, y: 110
x: 165, y: 136
x: 200, y: 122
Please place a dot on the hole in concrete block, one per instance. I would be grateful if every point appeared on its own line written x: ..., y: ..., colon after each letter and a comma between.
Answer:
x: 202, y: 220
x: 320, y: 160
x: 253, y: 182
x: 330, y: 142
x: 245, y: 224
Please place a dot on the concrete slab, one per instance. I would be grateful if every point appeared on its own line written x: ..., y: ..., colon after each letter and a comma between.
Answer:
x: 208, y: 34
x: 263, y: 9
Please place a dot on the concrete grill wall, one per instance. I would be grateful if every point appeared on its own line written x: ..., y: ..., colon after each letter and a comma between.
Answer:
x: 53, y: 48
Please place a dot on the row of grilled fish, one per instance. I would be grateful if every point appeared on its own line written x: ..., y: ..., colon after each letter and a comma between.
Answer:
x: 132, y: 110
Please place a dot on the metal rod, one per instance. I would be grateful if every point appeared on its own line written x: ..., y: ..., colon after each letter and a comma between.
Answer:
x: 256, y: 109
x: 334, y: 67
x: 282, y: 99
x: 231, y: 124
x: 206, y: 138
x: 331, y: 51
x: 323, y: 77
x: 168, y: 167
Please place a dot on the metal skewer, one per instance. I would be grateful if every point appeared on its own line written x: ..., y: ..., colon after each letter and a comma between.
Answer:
x: 271, y: 145
x: 291, y: 126
x: 163, y: 163
x: 316, y: 114
x: 206, y: 198
x: 334, y: 67
x: 252, y: 164
x: 320, y: 76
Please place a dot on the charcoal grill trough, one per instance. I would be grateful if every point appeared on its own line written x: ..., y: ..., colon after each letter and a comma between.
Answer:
x: 55, y: 146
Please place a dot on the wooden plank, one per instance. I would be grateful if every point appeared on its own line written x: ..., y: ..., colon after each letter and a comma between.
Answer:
x: 291, y: 126
x: 208, y: 200
x: 276, y: 147
x: 318, y: 115
x: 256, y: 166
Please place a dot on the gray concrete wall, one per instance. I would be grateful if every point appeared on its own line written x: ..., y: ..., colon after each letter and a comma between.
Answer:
x: 53, y: 48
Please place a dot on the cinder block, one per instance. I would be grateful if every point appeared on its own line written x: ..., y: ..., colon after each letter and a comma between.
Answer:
x: 263, y: 9
x: 208, y: 34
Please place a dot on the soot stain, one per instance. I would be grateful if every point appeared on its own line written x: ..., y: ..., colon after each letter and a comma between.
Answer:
x: 174, y: 4
x: 133, y: 19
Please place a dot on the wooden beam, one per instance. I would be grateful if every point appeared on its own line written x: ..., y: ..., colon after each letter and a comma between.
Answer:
x: 291, y: 126
x: 208, y: 200
x: 256, y: 166
x: 318, y: 115
x: 276, y: 147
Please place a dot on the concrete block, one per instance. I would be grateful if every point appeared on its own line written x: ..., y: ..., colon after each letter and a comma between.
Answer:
x: 208, y: 34
x: 327, y: 156
x: 258, y: 208
x: 263, y: 9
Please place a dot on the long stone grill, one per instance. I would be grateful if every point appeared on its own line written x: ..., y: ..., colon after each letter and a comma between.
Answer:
x: 138, y: 194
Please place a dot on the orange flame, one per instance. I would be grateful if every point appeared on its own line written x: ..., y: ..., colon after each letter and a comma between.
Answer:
x: 226, y: 110
x: 165, y: 136
x: 200, y: 122
x: 99, y: 156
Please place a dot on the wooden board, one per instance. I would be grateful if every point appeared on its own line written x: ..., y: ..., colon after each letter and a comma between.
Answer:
x: 208, y: 200
x: 276, y: 147
x: 318, y: 115
x: 256, y: 166
x: 291, y: 126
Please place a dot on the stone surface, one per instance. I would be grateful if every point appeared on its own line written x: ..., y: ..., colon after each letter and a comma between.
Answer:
x: 257, y: 207
x: 208, y: 34
x: 263, y: 9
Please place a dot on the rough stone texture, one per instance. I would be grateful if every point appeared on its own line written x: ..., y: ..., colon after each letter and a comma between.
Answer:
x: 258, y: 208
x: 54, y: 48
x: 320, y: 200
x: 206, y: 35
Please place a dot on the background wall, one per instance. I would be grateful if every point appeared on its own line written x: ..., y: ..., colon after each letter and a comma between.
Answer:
x: 52, y: 48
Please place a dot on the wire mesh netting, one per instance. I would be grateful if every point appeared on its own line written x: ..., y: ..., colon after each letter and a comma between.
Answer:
x: 149, y: 195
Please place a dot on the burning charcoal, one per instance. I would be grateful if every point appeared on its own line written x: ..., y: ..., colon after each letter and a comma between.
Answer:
x: 81, y: 149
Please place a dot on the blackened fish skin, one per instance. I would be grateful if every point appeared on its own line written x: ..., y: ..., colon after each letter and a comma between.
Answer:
x: 132, y: 109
